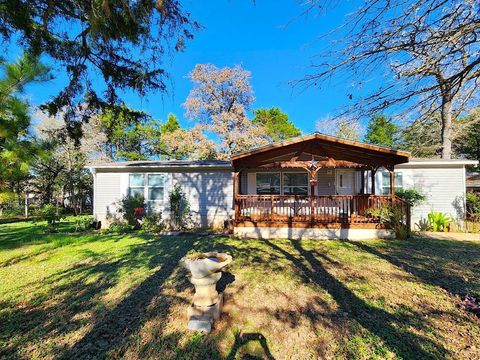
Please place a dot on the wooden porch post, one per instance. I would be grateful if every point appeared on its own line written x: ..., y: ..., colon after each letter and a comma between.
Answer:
x: 312, y: 182
x: 362, y: 183
x: 374, y: 171
x: 235, y: 195
x: 392, y: 182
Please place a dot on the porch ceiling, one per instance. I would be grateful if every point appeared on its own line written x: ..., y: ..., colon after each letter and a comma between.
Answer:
x: 328, y: 150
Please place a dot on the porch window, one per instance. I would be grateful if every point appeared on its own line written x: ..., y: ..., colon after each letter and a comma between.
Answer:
x: 268, y: 183
x: 136, y: 185
x: 295, y: 184
x: 386, y: 182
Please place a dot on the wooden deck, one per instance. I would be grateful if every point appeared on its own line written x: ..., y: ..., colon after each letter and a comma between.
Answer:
x: 314, y: 211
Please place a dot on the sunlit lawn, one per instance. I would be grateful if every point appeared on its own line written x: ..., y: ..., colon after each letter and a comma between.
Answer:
x: 123, y: 296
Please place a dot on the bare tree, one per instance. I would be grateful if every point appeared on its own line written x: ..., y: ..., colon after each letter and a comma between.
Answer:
x: 219, y: 101
x: 429, y: 51
x: 189, y: 144
x: 341, y: 127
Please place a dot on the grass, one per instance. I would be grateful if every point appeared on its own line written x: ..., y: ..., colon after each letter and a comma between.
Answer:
x: 89, y: 295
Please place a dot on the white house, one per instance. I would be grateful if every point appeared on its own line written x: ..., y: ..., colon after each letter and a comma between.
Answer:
x: 313, y: 186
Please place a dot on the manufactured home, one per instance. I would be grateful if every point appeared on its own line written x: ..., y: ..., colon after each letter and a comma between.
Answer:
x: 313, y: 186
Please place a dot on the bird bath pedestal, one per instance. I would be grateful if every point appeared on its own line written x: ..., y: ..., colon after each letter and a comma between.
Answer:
x: 205, y: 270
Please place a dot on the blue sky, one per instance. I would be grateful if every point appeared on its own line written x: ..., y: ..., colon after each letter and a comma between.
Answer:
x: 268, y: 38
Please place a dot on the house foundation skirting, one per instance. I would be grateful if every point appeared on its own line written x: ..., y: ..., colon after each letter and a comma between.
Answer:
x: 297, y: 233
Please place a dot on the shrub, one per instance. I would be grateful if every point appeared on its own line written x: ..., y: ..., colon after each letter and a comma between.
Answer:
x: 132, y: 208
x: 439, y: 221
x: 153, y: 222
x: 12, y: 209
x: 412, y: 196
x: 180, y: 208
x: 392, y: 217
x: 423, y: 225
x: 473, y: 205
x: 52, y: 214
x: 83, y: 222
x: 120, y: 227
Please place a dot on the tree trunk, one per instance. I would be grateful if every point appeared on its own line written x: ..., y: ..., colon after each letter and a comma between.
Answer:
x: 446, y: 126
x: 478, y: 149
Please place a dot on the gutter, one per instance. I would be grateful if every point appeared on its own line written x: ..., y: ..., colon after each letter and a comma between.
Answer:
x: 163, y: 167
x: 439, y: 162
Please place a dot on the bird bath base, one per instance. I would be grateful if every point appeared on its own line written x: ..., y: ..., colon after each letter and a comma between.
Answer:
x: 201, y: 318
x: 207, y: 303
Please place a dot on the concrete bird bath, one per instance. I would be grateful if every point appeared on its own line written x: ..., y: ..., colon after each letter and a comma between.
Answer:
x: 205, y: 270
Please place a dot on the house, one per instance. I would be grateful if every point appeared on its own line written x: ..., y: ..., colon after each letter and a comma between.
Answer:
x: 313, y: 186
x: 473, y: 182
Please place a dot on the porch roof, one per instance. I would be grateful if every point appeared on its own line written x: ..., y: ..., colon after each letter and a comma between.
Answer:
x: 328, y: 151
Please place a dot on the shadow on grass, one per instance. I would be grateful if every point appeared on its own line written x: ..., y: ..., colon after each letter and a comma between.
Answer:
x: 112, y: 332
x: 17, y: 235
x: 73, y: 302
x: 442, y: 263
x: 245, y: 338
x: 20, y: 234
x: 388, y: 327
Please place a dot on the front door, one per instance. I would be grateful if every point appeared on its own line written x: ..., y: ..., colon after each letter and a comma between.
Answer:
x: 345, y: 181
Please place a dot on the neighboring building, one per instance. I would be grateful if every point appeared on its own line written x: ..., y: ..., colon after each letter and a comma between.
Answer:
x: 267, y: 192
x: 473, y: 182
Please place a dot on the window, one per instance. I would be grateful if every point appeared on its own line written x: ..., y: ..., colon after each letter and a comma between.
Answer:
x: 268, y: 183
x: 156, y: 187
x: 295, y: 184
x: 386, y: 182
x: 136, y: 185
x: 151, y: 186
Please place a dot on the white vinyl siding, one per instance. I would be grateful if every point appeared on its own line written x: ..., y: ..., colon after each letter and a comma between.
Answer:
x: 210, y: 194
x: 444, y: 188
x: 107, y: 193
x: 326, y: 182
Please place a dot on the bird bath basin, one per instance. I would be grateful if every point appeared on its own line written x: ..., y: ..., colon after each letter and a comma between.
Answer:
x: 205, y: 270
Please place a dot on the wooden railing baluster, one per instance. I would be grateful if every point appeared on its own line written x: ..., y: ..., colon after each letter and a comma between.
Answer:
x: 344, y: 209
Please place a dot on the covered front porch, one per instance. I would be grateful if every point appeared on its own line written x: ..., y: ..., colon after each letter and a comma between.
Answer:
x: 315, y: 181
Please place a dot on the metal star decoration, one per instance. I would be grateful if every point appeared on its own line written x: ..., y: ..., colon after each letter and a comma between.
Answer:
x: 313, y: 164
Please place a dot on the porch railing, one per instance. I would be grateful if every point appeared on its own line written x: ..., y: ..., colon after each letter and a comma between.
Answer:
x: 323, y: 209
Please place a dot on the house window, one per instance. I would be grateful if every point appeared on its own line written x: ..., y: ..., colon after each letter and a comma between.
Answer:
x: 150, y: 186
x: 268, y: 183
x: 136, y: 185
x: 295, y: 184
x: 156, y: 187
x: 386, y: 182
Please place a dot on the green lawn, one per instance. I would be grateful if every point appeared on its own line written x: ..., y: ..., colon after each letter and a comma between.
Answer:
x: 94, y: 295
